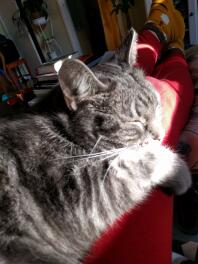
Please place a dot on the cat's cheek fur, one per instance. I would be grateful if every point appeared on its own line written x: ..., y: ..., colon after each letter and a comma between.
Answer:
x: 127, y: 169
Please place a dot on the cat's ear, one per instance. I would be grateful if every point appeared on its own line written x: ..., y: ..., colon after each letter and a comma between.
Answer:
x: 77, y: 81
x: 128, y: 51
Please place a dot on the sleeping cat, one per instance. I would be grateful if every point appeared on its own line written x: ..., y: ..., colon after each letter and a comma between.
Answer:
x: 64, y: 178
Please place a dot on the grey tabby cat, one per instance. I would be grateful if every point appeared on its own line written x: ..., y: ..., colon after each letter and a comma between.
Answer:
x: 65, y: 178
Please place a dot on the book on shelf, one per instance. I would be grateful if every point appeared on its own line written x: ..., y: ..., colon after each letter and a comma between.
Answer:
x: 48, y: 80
x: 48, y: 67
x: 43, y: 85
x: 45, y: 68
x: 47, y: 76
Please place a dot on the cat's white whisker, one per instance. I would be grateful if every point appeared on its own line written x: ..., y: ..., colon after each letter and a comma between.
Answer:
x: 97, y: 142
x: 110, y: 165
x: 94, y: 147
x: 110, y: 156
x: 91, y: 156
x: 102, y: 183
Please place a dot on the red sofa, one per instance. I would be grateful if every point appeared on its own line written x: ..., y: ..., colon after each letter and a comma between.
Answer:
x: 144, y: 235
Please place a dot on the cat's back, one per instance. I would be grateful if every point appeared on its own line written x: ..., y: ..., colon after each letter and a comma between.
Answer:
x: 30, y: 139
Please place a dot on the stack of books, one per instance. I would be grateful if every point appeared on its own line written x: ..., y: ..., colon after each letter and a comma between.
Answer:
x: 46, y: 80
x: 46, y: 75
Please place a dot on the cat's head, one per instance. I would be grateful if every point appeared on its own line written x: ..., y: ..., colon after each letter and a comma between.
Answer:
x: 108, y: 103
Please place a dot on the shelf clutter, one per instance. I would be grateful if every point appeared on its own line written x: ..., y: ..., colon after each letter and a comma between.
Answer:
x: 16, y: 86
x: 46, y: 75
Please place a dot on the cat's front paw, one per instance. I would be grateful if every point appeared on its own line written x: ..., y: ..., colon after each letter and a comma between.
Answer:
x: 181, y: 181
x: 168, y: 169
x: 171, y: 171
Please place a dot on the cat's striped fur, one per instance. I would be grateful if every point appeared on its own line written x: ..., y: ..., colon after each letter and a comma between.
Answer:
x: 65, y: 178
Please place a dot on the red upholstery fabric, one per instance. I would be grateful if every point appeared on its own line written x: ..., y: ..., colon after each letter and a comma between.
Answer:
x: 144, y: 235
